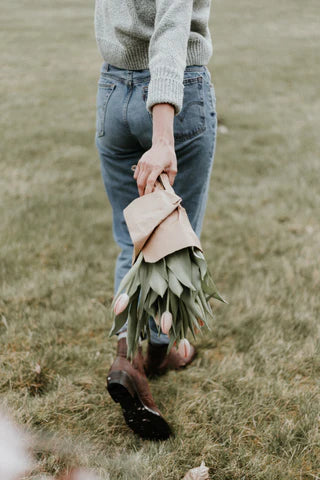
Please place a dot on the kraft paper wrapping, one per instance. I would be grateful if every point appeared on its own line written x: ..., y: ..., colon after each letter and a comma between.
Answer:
x: 158, y: 224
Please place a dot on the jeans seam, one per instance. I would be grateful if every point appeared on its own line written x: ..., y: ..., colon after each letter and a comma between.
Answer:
x: 125, y: 110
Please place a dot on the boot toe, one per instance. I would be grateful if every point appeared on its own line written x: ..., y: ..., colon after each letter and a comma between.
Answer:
x: 158, y: 363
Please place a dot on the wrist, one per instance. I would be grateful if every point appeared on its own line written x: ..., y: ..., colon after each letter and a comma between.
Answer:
x: 162, y: 119
x: 163, y: 140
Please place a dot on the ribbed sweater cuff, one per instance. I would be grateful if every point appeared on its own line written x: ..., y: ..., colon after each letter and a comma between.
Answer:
x: 164, y: 87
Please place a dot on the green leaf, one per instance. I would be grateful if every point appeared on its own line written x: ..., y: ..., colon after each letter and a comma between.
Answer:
x: 161, y: 306
x: 192, y: 305
x: 196, y: 276
x: 132, y: 326
x: 161, y: 264
x: 198, y: 258
x: 179, y: 263
x: 193, y: 322
x: 128, y: 278
x: 204, y: 316
x: 173, y: 305
x: 210, y: 289
x: 151, y: 305
x: 119, y: 321
x: 144, y: 275
x: 178, y: 327
x: 151, y: 298
x: 174, y: 284
x: 182, y: 333
x: 157, y: 282
x: 173, y: 308
x: 171, y: 342
x: 134, y: 284
x: 185, y: 318
x: 204, y: 303
x: 141, y: 324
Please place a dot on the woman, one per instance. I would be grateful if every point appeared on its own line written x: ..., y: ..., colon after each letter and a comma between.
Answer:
x: 156, y: 110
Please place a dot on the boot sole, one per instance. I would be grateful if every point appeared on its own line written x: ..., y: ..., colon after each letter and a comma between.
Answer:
x: 144, y: 421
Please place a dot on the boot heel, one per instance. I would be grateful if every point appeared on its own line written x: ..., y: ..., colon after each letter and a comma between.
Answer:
x: 120, y: 387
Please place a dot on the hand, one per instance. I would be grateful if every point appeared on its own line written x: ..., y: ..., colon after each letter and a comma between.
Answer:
x: 160, y: 158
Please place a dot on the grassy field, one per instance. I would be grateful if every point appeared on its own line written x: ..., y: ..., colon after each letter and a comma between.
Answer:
x: 250, y: 404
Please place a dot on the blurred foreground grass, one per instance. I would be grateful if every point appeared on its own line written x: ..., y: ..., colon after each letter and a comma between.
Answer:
x: 250, y: 404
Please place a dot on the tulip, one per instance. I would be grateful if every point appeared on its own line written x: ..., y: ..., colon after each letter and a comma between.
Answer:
x: 201, y: 322
x: 121, y: 303
x: 156, y: 318
x: 184, y: 348
x: 166, y: 322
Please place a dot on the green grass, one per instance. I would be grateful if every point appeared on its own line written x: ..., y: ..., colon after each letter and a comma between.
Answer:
x: 250, y: 404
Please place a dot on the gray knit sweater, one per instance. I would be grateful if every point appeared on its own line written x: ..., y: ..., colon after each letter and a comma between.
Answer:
x: 162, y: 35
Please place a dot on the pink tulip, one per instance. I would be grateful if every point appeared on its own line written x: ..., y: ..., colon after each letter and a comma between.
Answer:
x: 166, y: 322
x: 184, y: 348
x: 121, y: 303
x: 156, y: 318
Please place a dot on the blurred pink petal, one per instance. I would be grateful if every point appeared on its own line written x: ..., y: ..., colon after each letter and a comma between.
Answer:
x: 198, y: 473
x: 166, y: 322
x: 79, y: 474
x: 121, y: 303
x: 15, y: 460
x: 184, y: 348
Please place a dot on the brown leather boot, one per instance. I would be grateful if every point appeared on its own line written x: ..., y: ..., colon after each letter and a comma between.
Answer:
x: 158, y: 362
x: 127, y: 384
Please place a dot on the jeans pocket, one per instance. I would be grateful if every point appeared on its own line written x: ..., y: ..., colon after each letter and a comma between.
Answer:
x: 191, y: 119
x: 105, y: 89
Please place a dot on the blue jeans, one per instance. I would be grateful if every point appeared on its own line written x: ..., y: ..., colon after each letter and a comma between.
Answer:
x: 124, y: 133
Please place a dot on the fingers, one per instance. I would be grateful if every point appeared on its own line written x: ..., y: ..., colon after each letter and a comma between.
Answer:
x: 146, y: 181
x: 152, y: 163
x: 151, y: 181
x: 140, y: 175
x: 171, y: 175
x: 136, y: 171
x: 171, y: 172
x: 141, y: 181
x: 146, y: 178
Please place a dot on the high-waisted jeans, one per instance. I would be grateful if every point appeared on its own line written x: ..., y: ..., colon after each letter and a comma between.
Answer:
x: 124, y: 133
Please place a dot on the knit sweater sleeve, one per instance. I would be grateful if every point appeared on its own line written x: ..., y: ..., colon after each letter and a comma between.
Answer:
x: 168, y: 52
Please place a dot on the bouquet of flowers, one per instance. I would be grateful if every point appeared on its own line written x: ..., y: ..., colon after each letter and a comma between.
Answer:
x: 169, y: 279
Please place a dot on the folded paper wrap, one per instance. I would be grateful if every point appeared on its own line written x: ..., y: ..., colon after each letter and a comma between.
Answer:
x: 158, y: 224
x: 169, y: 278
